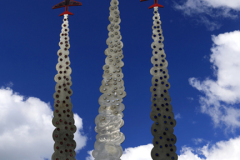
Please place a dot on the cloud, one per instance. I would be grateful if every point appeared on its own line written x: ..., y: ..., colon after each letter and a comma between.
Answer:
x: 211, y: 25
x: 9, y: 85
x: 190, y: 98
x: 198, y: 140
x: 232, y: 4
x: 227, y: 8
x: 222, y: 150
x: 222, y: 95
x: 208, y: 11
x: 142, y: 152
x: 26, y: 128
x: 187, y: 154
x: 177, y: 116
x: 138, y: 153
x: 90, y: 157
x: 193, y: 6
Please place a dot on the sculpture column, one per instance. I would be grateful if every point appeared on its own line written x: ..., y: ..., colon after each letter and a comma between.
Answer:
x: 162, y: 112
x: 63, y: 116
x: 109, y: 121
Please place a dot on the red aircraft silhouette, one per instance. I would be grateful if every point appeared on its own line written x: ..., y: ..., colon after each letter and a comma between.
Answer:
x: 66, y: 4
x: 155, y: 4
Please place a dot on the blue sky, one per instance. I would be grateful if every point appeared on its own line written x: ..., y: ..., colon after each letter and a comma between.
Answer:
x: 202, y: 44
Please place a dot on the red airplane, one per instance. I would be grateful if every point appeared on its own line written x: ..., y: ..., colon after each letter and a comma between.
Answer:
x: 155, y: 4
x: 66, y: 4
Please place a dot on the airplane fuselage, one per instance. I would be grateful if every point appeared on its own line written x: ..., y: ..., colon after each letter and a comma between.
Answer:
x: 67, y: 2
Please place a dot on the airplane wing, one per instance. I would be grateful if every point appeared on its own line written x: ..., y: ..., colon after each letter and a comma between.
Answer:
x: 74, y: 3
x: 59, y: 5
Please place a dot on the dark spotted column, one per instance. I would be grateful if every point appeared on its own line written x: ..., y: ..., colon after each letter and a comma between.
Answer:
x: 162, y: 111
x: 63, y: 116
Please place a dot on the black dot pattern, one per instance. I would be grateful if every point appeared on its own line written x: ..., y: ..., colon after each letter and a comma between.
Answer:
x: 63, y: 134
x: 162, y: 113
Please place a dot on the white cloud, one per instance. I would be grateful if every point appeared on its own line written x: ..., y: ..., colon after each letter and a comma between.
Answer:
x: 223, y: 150
x: 90, y: 157
x: 142, y: 152
x: 198, y: 140
x: 222, y: 95
x: 9, y: 84
x: 209, y: 10
x: 206, y: 6
x: 211, y: 25
x: 177, y: 116
x: 193, y: 6
x: 232, y: 4
x: 187, y: 154
x: 26, y: 128
x: 138, y: 153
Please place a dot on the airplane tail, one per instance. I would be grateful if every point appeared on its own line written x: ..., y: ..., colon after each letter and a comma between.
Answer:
x: 66, y: 12
x: 156, y: 5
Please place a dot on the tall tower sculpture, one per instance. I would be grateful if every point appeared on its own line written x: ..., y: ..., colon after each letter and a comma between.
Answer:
x: 162, y: 113
x: 109, y: 121
x: 63, y: 116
